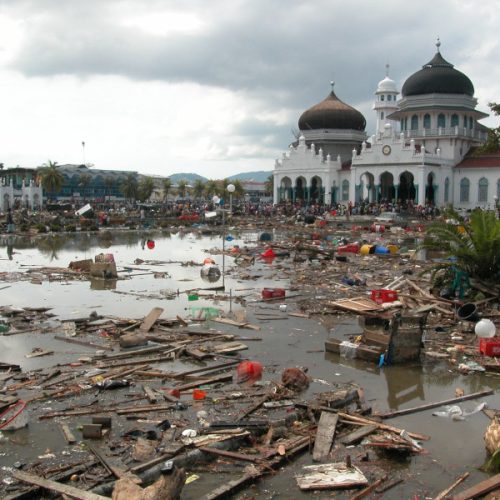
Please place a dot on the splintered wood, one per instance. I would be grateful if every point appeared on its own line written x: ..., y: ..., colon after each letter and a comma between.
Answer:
x: 324, y: 435
x: 330, y: 476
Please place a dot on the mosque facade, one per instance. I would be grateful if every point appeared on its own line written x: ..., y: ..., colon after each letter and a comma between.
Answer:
x: 421, y: 152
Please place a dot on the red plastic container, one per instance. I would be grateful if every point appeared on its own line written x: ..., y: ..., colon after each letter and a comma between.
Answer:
x: 380, y: 296
x: 351, y: 248
x: 272, y: 293
x: 489, y: 347
x: 199, y: 394
x: 249, y: 371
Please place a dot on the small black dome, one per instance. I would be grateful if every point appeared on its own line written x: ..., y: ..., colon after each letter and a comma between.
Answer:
x: 332, y: 113
x: 438, y: 76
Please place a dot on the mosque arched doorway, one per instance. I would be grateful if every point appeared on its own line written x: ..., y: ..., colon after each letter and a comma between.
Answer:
x: 285, y: 189
x: 367, y: 188
x: 300, y: 188
x: 407, y: 191
x: 387, y: 190
x: 430, y: 189
x: 317, y: 192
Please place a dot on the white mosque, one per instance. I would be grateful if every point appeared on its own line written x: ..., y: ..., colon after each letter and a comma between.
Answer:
x: 421, y: 151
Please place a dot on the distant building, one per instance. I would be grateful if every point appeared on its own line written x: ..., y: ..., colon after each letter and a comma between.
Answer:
x: 421, y: 152
x: 19, y: 187
x: 255, y: 191
x: 84, y: 183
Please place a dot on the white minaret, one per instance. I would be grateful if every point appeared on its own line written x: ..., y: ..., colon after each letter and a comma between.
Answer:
x: 385, y: 102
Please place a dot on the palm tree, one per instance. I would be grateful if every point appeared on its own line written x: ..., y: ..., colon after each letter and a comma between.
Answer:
x: 182, y: 188
x: 198, y: 188
x: 129, y: 187
x: 167, y: 187
x: 239, y: 190
x: 269, y: 185
x: 474, y: 246
x: 51, y: 177
x: 108, y: 184
x: 221, y: 187
x: 211, y: 188
x: 84, y: 182
x: 146, y: 188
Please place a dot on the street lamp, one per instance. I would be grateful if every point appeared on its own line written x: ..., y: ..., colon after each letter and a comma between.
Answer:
x: 216, y: 200
x: 230, y: 189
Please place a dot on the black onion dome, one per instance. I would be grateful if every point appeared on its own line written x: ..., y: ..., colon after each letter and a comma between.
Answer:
x: 332, y: 113
x: 438, y: 76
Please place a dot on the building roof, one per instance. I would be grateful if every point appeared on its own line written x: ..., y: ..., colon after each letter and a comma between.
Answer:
x: 438, y: 76
x: 332, y: 113
x: 486, y: 160
x: 387, y: 85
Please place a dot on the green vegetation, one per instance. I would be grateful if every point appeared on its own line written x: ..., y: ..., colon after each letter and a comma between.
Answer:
x: 129, y: 187
x: 492, y: 143
x: 167, y: 187
x: 182, y: 188
x: 146, y: 188
x: 51, y: 177
x: 474, y: 246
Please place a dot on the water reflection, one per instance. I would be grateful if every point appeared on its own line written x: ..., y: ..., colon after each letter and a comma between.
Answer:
x: 404, y: 384
x: 102, y: 284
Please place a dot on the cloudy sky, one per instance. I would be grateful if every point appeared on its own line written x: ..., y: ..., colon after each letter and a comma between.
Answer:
x: 212, y: 86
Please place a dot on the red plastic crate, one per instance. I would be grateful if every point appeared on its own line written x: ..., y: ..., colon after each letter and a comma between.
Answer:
x: 382, y: 295
x: 272, y: 293
x: 489, y: 347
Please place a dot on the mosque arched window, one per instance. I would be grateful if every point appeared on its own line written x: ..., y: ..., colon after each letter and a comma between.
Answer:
x: 382, y: 97
x: 454, y: 120
x: 389, y: 97
x: 414, y: 122
x: 427, y: 120
x: 441, y: 120
x: 471, y: 122
x: 482, y: 191
x: 464, y: 190
x: 345, y: 190
x: 381, y: 115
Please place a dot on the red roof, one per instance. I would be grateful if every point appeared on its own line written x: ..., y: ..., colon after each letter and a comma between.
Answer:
x: 487, y: 160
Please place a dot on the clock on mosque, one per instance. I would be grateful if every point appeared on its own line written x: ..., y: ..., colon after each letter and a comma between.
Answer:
x: 386, y: 150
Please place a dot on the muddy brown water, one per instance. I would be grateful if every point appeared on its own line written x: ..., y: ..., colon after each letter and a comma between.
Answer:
x: 455, y: 446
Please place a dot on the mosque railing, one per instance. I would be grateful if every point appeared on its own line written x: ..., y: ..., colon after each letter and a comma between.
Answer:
x: 446, y: 132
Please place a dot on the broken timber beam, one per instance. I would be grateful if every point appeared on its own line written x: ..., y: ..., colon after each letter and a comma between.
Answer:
x: 479, y: 489
x: 428, y: 406
x: 50, y: 485
x: 324, y: 435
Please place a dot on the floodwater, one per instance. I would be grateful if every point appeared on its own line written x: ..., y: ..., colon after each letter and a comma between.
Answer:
x: 455, y: 447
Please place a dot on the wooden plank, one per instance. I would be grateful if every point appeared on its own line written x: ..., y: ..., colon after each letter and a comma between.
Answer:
x: 230, y: 486
x: 479, y: 489
x: 207, y: 381
x: 64, y: 489
x: 324, y: 435
x: 428, y: 406
x: 83, y: 343
x: 445, y: 492
x: 364, y: 420
x: 117, y: 471
x: 368, y: 490
x: 68, y: 435
x: 358, y: 434
x: 231, y: 454
x: 150, y: 394
x: 329, y: 476
x: 150, y: 319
